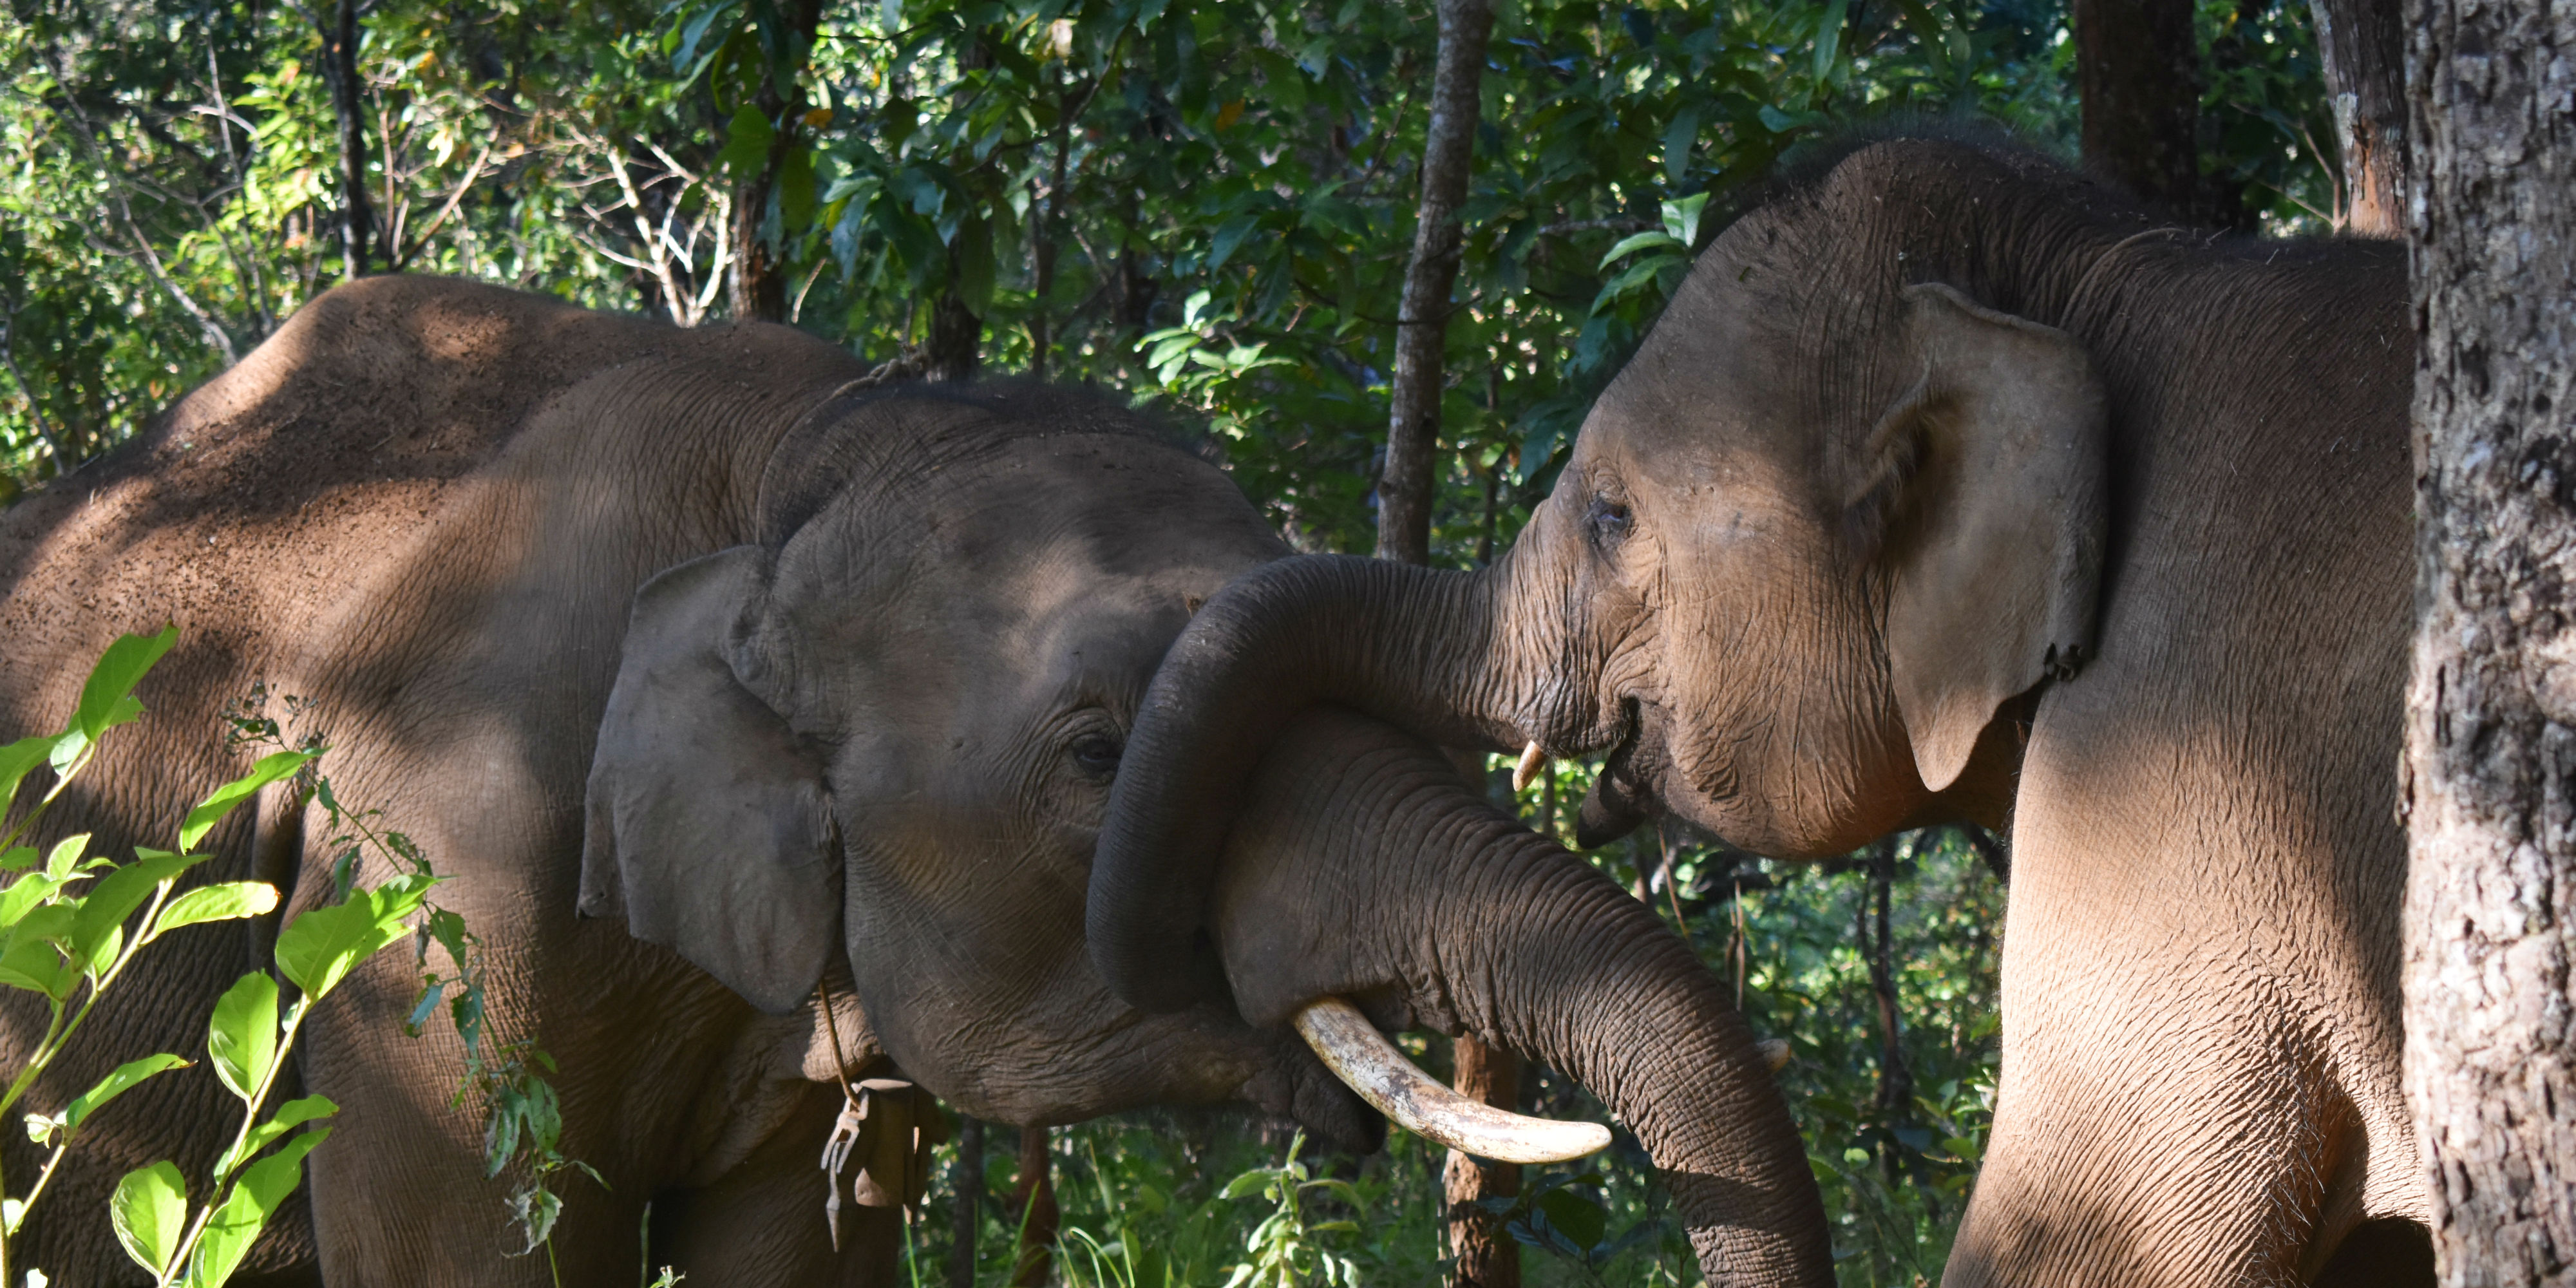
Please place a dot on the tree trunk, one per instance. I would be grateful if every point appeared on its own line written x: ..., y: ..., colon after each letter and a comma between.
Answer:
x: 956, y: 342
x: 340, y: 67
x: 1486, y: 1256
x: 2363, y: 46
x: 759, y: 286
x: 1422, y: 320
x: 1033, y: 1210
x: 2137, y: 70
x: 966, y: 1215
x: 2490, y: 774
x: 1895, y: 1099
x: 1043, y: 233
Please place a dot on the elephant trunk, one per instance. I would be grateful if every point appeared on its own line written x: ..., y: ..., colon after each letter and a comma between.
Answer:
x: 1423, y: 648
x: 1362, y: 867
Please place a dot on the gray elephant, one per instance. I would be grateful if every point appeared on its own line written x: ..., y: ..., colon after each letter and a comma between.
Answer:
x: 787, y: 681
x: 1953, y: 486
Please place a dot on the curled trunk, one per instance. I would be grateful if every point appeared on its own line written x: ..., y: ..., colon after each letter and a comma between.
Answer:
x: 1363, y: 867
x: 1421, y: 648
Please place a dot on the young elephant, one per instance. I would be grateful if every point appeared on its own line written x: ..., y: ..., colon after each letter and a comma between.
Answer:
x: 1953, y: 486
x: 811, y: 682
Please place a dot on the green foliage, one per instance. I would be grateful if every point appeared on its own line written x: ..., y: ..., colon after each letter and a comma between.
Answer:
x: 1208, y: 203
x: 69, y: 927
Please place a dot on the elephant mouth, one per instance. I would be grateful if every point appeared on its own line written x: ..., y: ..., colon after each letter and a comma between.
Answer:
x: 1623, y: 794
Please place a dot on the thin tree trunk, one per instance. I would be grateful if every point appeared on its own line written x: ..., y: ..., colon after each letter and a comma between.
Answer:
x: 2363, y: 46
x: 340, y: 67
x: 1486, y: 1256
x: 2490, y: 774
x: 2137, y: 70
x: 1422, y: 320
x: 1033, y: 1210
x: 956, y: 342
x: 966, y: 1215
x: 1895, y: 1081
x: 759, y: 286
x: 1043, y: 233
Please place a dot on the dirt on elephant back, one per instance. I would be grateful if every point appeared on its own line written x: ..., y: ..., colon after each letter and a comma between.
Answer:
x: 246, y: 505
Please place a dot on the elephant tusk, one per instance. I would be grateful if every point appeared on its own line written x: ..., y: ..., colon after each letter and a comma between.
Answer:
x: 1361, y: 1057
x: 1531, y: 759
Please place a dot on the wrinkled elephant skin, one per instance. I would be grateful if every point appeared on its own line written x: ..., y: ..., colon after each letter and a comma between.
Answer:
x: 1953, y: 486
x: 708, y: 674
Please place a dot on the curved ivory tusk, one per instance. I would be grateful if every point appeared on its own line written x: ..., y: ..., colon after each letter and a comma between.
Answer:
x: 1527, y: 769
x: 1362, y: 1057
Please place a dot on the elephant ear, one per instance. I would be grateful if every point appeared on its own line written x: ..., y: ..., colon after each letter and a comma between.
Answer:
x: 1990, y: 471
x: 706, y: 823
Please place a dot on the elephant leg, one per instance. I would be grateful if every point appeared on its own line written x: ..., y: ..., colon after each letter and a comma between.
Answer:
x: 399, y: 1194
x: 2200, y: 1075
x: 761, y: 1224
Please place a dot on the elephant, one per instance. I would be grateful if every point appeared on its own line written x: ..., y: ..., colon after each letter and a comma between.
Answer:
x: 762, y: 713
x: 1955, y: 486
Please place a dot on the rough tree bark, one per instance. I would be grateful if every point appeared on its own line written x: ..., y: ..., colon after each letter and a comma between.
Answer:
x: 2490, y: 774
x: 2363, y: 46
x: 966, y: 1215
x: 1895, y: 1099
x: 2137, y: 70
x: 955, y: 347
x: 1486, y: 1257
x: 1033, y: 1209
x: 340, y: 36
x: 759, y: 286
x: 1422, y: 320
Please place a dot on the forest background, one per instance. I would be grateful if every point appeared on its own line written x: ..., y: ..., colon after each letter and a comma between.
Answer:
x: 1209, y: 205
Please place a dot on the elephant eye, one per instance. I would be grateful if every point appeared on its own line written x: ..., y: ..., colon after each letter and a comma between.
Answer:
x: 1097, y: 753
x: 1607, y: 520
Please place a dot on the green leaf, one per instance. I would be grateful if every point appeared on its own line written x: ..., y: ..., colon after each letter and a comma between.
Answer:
x: 1576, y: 1214
x: 119, y: 893
x: 1681, y: 219
x: 25, y: 893
x: 37, y: 966
x: 270, y: 768
x: 235, y: 1226
x: 796, y: 188
x: 17, y: 759
x: 223, y: 901
x: 695, y: 32
x: 746, y: 150
x: 103, y: 700
x: 241, y: 1037
x: 1829, y: 35
x: 1636, y: 242
x: 320, y: 946
x: 66, y: 855
x: 18, y: 859
x: 1678, y: 138
x: 1230, y: 235
x: 148, y: 1213
x: 291, y: 1115
x: 124, y: 1079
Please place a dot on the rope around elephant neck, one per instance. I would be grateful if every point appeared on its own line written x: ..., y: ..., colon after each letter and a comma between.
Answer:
x: 832, y: 1028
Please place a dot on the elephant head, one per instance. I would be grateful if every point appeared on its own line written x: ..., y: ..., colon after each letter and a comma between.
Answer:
x: 1840, y: 510
x: 884, y: 735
